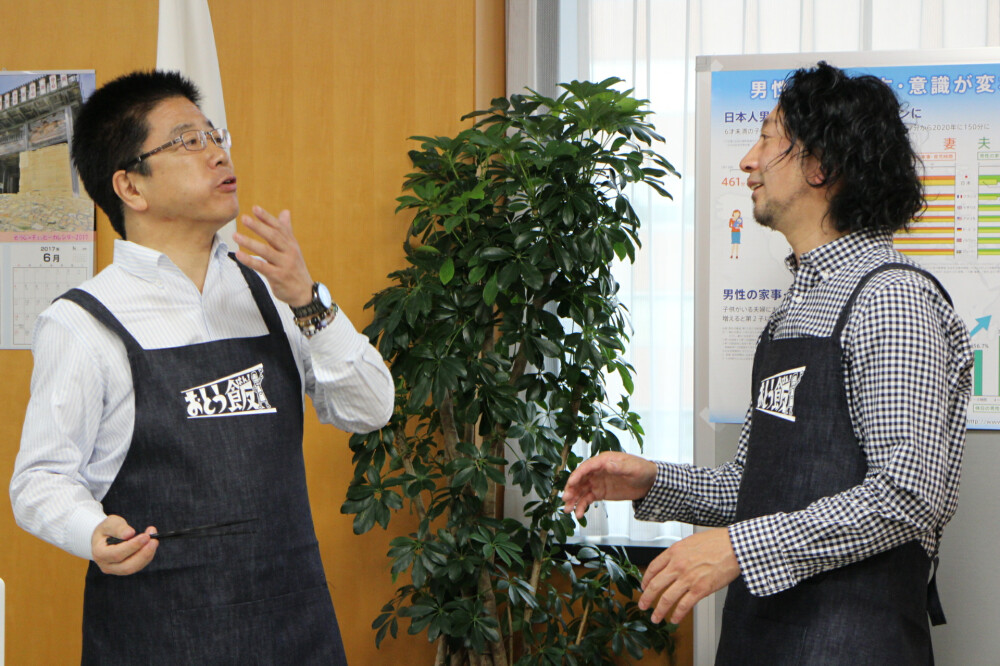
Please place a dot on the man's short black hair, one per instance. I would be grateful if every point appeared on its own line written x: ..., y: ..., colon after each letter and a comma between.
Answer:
x: 852, y: 126
x: 111, y: 127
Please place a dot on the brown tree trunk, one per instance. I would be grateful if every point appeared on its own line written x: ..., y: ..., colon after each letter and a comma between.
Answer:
x: 448, y: 427
x: 536, y: 567
x: 442, y: 652
x: 497, y: 649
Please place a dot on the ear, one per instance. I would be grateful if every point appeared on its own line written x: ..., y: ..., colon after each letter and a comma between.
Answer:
x: 813, y: 171
x: 128, y: 187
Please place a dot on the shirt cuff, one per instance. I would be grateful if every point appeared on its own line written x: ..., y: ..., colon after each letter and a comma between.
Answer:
x: 658, y: 502
x: 760, y: 554
x: 338, y: 341
x: 80, y: 531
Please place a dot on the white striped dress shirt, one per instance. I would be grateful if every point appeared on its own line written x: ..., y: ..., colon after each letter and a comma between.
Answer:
x: 79, y: 421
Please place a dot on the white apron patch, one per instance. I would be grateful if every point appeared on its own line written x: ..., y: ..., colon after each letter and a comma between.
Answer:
x: 777, y: 393
x: 236, y: 395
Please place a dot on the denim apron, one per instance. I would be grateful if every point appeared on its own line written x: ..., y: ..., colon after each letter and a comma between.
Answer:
x: 217, y: 438
x: 871, y: 612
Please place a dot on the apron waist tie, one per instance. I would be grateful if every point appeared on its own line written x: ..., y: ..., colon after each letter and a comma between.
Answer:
x: 934, y: 609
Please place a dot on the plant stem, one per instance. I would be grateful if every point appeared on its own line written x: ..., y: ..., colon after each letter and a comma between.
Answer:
x: 510, y: 626
x: 536, y: 566
x: 521, y: 360
x: 517, y: 369
x: 469, y: 432
x: 518, y: 366
x: 497, y: 648
x: 408, y: 466
x: 489, y: 340
x: 442, y: 651
x: 583, y: 623
x: 448, y: 427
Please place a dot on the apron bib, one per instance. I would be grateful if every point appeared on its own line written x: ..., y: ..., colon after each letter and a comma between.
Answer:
x: 217, y: 438
x: 802, y: 448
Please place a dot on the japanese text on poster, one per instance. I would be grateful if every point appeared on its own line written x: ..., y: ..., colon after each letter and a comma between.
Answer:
x: 952, y: 112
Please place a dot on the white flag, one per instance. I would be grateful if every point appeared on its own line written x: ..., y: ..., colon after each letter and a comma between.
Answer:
x: 186, y: 43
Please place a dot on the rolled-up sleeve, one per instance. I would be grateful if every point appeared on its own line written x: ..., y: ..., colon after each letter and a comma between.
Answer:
x: 346, y: 378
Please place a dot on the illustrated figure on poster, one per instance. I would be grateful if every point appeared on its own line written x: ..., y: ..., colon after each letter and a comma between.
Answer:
x: 736, y: 227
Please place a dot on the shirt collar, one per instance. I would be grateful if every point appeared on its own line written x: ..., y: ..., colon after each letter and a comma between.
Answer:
x: 146, y: 263
x: 827, y: 259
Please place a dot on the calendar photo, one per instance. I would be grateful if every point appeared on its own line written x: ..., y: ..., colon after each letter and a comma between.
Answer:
x: 47, y: 221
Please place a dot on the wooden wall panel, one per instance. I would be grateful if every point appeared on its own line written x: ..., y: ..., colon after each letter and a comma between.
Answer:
x: 321, y: 98
x: 44, y: 584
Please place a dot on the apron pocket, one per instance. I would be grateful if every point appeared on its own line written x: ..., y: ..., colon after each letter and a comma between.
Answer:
x: 296, y: 628
x: 748, y: 639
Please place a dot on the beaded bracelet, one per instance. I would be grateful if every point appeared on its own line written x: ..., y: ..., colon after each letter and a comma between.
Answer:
x: 310, y: 326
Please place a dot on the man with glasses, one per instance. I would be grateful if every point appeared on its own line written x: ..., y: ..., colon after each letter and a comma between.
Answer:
x: 168, y: 392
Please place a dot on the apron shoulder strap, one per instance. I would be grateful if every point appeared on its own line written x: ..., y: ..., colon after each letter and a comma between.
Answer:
x: 263, y: 299
x: 934, y: 608
x: 100, y: 312
x: 894, y: 265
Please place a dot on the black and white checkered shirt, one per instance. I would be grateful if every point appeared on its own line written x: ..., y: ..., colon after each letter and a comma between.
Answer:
x: 906, y: 364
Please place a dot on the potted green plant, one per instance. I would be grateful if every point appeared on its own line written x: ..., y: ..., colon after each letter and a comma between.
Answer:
x: 500, y: 332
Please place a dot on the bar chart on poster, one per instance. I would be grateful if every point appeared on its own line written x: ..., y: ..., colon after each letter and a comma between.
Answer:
x: 936, y: 232
x: 988, y: 208
x: 957, y: 236
x: 951, y: 110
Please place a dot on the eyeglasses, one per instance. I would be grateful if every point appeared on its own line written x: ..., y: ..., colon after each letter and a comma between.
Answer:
x: 193, y: 140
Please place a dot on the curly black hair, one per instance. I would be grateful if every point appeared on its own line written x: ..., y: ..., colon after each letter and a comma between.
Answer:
x: 111, y: 127
x: 852, y: 125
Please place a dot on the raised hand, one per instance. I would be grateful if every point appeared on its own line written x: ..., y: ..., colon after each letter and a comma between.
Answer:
x: 609, y: 476
x: 277, y: 255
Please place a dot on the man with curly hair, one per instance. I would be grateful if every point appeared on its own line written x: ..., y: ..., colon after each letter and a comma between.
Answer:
x: 828, y: 520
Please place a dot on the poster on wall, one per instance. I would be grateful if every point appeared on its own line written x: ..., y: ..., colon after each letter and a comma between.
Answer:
x: 46, y: 218
x: 952, y: 110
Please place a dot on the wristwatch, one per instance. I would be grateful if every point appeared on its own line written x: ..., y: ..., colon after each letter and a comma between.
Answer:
x: 321, y: 302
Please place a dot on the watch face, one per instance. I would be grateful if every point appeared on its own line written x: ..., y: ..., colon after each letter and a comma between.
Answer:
x: 323, y: 294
